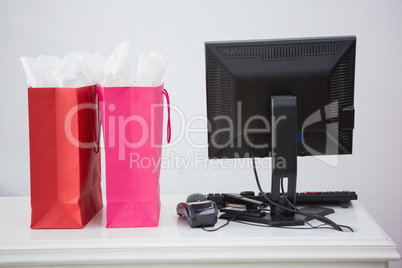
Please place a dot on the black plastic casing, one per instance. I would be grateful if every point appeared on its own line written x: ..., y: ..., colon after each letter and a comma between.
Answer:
x: 199, y: 214
x: 241, y: 78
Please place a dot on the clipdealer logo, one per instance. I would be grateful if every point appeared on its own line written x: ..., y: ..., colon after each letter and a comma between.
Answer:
x: 118, y: 124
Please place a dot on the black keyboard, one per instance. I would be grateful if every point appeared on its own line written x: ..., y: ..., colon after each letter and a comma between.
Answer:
x: 302, y: 198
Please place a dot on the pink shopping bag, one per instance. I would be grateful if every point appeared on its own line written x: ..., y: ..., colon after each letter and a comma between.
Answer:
x: 132, y: 121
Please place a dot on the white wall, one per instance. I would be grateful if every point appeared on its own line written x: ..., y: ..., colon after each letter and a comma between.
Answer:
x: 178, y: 30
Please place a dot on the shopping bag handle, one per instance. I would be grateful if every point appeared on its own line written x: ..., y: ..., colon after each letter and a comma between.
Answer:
x: 169, y: 130
x: 94, y: 130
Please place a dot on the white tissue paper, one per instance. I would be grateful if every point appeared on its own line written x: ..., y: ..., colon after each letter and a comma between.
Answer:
x: 116, y: 70
x: 80, y: 68
x: 151, y: 68
x: 77, y: 69
x: 43, y: 71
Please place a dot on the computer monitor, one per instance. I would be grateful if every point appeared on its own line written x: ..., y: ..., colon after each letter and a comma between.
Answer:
x: 280, y: 99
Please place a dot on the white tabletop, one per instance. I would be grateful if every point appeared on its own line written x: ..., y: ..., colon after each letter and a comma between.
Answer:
x: 174, y: 242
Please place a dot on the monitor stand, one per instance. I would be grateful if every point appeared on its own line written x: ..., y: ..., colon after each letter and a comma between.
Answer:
x: 284, y: 165
x: 284, y: 160
x: 267, y: 219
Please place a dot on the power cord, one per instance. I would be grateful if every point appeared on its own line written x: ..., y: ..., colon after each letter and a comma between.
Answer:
x: 294, y: 209
x: 228, y: 221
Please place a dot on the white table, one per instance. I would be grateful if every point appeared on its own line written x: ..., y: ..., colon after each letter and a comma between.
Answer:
x: 175, y: 244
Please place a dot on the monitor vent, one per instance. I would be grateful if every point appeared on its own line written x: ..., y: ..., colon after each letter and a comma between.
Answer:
x: 220, y: 101
x: 342, y: 86
x: 280, y: 52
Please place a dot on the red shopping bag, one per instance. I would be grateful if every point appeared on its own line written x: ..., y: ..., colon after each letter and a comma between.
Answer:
x: 132, y: 121
x: 64, y: 157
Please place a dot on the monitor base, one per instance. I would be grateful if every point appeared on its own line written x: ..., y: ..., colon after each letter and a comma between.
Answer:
x: 277, y: 220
